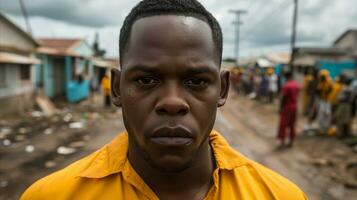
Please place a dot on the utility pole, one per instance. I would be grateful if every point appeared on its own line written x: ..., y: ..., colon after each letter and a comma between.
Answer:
x: 237, y: 24
x: 293, y: 36
x: 24, y: 13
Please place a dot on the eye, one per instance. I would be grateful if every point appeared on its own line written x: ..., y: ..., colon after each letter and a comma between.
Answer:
x: 196, y: 83
x: 147, y: 81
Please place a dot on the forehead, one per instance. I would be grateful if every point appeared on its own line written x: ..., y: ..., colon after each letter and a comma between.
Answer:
x: 170, y: 35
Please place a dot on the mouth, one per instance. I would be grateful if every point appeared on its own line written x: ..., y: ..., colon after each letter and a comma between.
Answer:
x: 172, y: 136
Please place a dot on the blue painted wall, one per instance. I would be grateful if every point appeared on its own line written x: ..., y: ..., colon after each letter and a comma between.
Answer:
x: 74, y: 91
x: 48, y: 76
x: 337, y: 67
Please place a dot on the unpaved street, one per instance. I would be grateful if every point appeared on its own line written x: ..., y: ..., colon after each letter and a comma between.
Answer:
x: 249, y: 126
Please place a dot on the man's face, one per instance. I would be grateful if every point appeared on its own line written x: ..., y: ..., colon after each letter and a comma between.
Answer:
x: 170, y: 88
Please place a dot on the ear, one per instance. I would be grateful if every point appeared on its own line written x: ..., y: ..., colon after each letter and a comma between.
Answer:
x: 115, y: 86
x: 225, y: 83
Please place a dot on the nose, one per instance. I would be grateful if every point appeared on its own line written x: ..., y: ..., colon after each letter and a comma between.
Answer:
x: 171, y: 102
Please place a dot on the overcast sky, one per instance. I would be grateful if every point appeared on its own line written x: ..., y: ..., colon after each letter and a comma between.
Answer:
x: 266, y: 26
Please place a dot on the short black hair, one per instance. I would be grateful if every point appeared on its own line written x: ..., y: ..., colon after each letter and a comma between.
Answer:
x: 191, y: 8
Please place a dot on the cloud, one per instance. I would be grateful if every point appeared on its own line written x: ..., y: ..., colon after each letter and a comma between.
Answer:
x: 266, y: 25
x: 79, y: 12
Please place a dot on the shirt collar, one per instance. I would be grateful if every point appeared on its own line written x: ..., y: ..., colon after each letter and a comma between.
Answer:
x: 112, y: 157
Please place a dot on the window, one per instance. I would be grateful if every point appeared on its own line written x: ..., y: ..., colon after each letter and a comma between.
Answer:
x: 25, y: 72
x: 2, y: 76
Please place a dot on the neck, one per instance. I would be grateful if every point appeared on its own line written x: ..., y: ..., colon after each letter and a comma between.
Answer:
x: 176, y: 185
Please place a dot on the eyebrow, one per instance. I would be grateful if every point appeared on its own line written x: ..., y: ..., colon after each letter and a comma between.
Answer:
x: 143, y: 68
x: 200, y: 70
x: 152, y: 70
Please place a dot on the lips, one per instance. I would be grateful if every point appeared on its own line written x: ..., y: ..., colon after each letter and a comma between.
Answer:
x: 172, y: 136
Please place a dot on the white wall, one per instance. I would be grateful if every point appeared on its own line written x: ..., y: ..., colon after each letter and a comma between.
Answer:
x: 13, y: 38
x: 14, y: 86
x: 348, y: 42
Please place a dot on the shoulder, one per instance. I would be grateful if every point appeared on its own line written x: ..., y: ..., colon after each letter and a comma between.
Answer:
x: 267, y: 182
x: 64, y: 179
x: 247, y: 179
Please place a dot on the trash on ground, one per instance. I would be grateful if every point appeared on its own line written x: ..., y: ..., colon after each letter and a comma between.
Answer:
x: 50, y: 164
x: 67, y: 117
x: 24, y: 130
x: 4, y: 183
x: 76, y: 125
x: 4, y: 132
x: 37, y: 114
x: 48, y: 131
x: 20, y: 138
x: 252, y: 95
x: 6, y: 142
x: 46, y: 105
x: 30, y: 148
x: 76, y: 144
x: 65, y: 150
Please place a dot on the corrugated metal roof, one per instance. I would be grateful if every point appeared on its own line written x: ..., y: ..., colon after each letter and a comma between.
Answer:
x: 61, y: 47
x: 263, y: 63
x: 102, y: 62
x: 59, y: 44
x: 17, y: 59
x: 283, y: 57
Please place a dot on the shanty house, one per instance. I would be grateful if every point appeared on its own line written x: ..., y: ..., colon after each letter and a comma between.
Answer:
x: 339, y: 58
x: 348, y: 41
x: 66, y: 68
x: 17, y: 62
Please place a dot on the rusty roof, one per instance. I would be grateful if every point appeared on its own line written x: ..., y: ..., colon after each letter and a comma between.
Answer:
x: 59, y: 44
x: 106, y: 62
x: 56, y: 46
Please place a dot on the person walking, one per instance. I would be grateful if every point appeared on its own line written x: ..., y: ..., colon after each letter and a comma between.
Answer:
x: 273, y: 84
x: 106, y: 90
x: 288, y: 110
x: 324, y: 114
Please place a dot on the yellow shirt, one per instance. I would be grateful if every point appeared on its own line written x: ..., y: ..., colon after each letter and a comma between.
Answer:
x: 107, y: 174
x: 106, y: 85
x: 335, y: 91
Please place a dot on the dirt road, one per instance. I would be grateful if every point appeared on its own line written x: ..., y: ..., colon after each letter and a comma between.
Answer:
x: 249, y: 127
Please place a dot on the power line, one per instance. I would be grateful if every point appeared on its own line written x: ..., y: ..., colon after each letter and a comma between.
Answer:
x: 270, y: 14
x: 293, y: 35
x: 237, y: 24
x: 24, y: 13
x: 258, y: 9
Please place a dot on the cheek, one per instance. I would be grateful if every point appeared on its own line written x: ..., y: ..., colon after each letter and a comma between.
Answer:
x: 136, y: 107
x: 204, y: 107
x: 128, y: 98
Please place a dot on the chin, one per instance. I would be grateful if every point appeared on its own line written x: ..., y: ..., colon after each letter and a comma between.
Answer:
x: 171, y: 164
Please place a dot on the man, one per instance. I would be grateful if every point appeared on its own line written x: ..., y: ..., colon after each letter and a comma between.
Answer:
x: 106, y: 88
x: 308, y: 78
x: 288, y: 110
x: 324, y: 113
x: 273, y: 84
x: 169, y: 88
